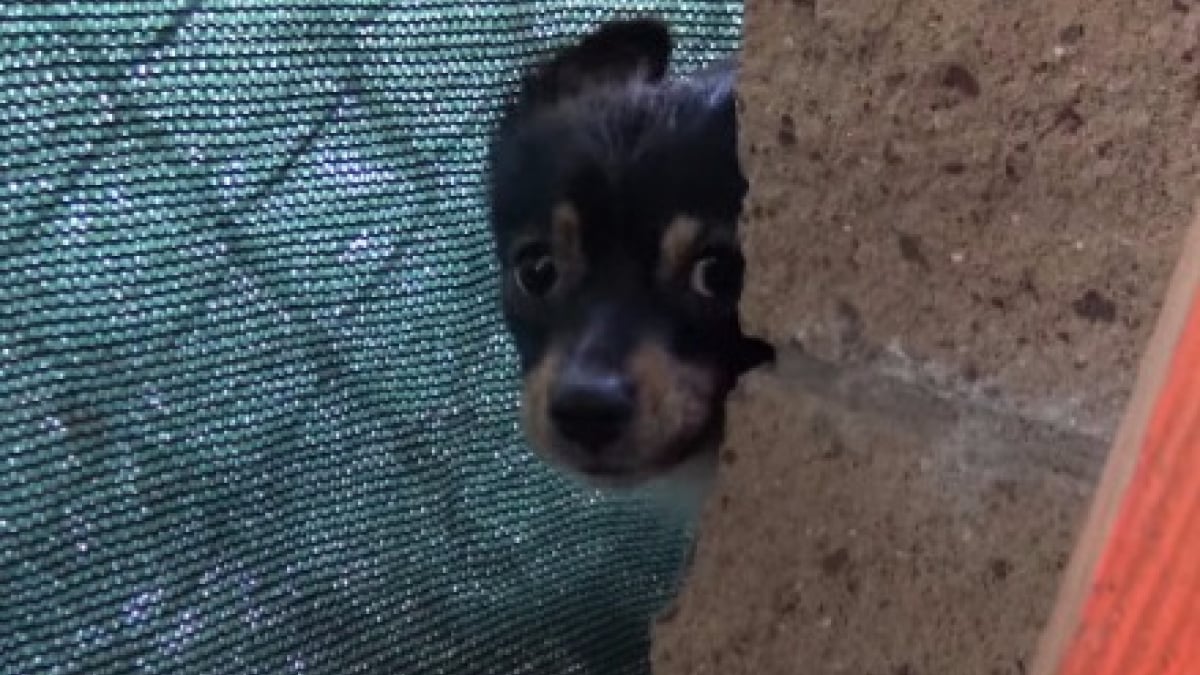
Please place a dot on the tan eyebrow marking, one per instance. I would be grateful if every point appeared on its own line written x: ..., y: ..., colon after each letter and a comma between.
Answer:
x: 566, y: 240
x: 677, y: 245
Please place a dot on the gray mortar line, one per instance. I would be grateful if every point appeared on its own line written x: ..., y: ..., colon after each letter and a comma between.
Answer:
x: 1015, y: 440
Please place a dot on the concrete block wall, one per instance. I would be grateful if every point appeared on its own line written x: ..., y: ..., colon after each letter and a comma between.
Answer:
x: 963, y: 216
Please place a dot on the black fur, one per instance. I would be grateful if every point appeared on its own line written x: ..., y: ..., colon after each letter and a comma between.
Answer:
x: 600, y: 126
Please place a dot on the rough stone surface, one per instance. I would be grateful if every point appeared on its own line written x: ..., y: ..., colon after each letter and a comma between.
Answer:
x: 860, y: 526
x: 991, y: 191
x: 962, y: 219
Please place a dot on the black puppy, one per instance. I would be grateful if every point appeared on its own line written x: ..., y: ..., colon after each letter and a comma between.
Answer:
x: 615, y: 193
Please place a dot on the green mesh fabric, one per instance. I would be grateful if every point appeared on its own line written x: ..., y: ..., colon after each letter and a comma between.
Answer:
x: 257, y: 412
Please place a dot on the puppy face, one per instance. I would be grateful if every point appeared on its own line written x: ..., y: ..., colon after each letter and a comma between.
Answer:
x: 615, y: 195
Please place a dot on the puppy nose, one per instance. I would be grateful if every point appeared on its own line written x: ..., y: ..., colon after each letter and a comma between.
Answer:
x: 592, y: 409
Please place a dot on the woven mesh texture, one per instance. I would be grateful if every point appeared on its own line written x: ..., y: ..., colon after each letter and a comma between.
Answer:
x: 257, y: 411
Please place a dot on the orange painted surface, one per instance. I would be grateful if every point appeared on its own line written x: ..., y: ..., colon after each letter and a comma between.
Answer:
x: 1142, y: 616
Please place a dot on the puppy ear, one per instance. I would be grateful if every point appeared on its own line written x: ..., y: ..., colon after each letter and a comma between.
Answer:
x: 617, y: 51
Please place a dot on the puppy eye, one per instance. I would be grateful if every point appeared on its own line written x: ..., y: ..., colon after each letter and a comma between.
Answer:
x: 717, y: 275
x: 535, y: 271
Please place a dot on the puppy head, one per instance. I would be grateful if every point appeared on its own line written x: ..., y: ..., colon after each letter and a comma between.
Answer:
x: 615, y: 194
